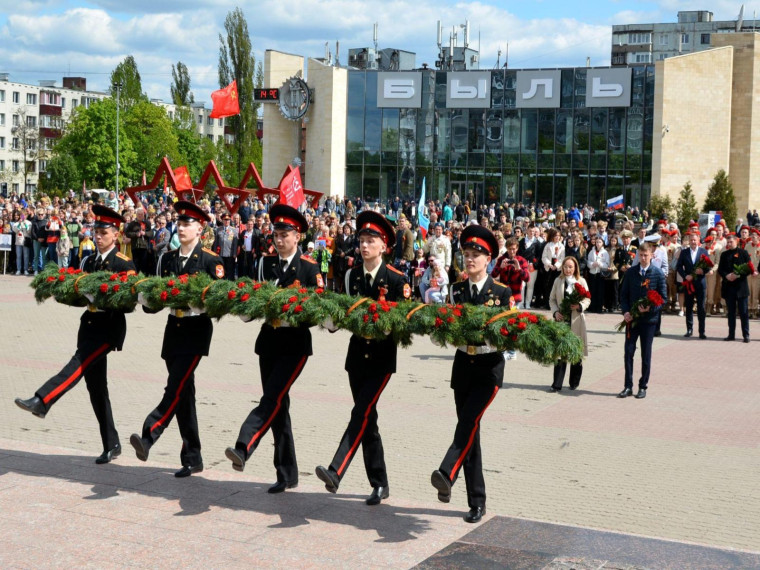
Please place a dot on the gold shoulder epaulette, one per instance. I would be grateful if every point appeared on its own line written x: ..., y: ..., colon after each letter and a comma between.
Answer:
x: 120, y: 255
x: 391, y: 268
x: 309, y: 259
x: 499, y: 283
x: 207, y: 250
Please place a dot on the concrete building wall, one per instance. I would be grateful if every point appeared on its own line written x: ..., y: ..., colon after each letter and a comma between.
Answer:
x: 281, y: 136
x: 745, y: 118
x: 326, y: 129
x: 692, y: 121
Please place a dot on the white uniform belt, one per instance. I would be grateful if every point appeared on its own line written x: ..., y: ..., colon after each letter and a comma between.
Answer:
x: 472, y: 350
x: 182, y: 313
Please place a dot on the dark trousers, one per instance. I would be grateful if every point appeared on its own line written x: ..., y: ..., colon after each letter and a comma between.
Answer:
x: 366, y: 389
x: 245, y: 264
x: 471, y: 404
x: 699, y: 294
x: 229, y: 267
x: 611, y: 294
x: 645, y: 332
x: 179, y: 400
x: 596, y: 286
x: 732, y: 302
x: 90, y: 360
x: 277, y: 376
x: 576, y: 371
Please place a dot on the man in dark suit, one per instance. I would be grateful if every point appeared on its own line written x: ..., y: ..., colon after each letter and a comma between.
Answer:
x: 640, y: 279
x: 693, y: 282
x: 476, y: 376
x: 283, y: 352
x: 100, y: 332
x: 734, y: 288
x: 187, y: 338
x: 369, y: 363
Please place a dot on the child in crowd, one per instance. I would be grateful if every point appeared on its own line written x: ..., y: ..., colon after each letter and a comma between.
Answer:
x: 63, y: 248
x: 86, y: 245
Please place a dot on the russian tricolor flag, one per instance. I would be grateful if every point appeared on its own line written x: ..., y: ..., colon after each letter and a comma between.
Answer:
x: 615, y: 203
x: 422, y: 219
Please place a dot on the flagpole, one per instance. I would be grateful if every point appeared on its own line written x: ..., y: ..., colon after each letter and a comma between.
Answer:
x: 118, y: 93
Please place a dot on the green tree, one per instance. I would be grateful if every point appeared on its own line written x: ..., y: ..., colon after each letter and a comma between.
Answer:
x: 127, y: 75
x: 152, y: 136
x: 181, y: 94
x: 62, y: 173
x: 720, y: 197
x: 659, y: 205
x: 237, y: 63
x: 686, y: 207
x: 90, y: 138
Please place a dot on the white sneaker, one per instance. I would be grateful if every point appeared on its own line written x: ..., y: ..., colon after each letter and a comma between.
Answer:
x: 18, y: 273
x: 680, y: 313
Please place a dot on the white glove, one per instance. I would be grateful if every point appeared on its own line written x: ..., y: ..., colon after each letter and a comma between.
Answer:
x: 245, y: 318
x: 89, y: 297
x: 141, y: 300
x: 329, y: 325
x: 197, y: 310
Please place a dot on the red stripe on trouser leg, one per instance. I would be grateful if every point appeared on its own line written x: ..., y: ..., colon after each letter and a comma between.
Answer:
x: 77, y: 373
x: 475, y: 428
x: 280, y: 396
x: 359, y: 436
x: 168, y: 413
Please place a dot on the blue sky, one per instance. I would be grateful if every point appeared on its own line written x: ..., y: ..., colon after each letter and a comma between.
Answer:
x: 47, y: 39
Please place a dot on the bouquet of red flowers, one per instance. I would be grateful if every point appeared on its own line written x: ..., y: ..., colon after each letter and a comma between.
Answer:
x: 651, y: 299
x: 744, y: 269
x: 578, y: 294
x: 705, y: 264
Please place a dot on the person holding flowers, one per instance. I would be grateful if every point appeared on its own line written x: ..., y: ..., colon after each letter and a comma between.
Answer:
x: 369, y: 363
x: 100, y: 332
x: 187, y: 338
x: 476, y: 376
x: 692, y: 265
x: 283, y: 352
x: 643, y: 287
x: 734, y: 267
x: 569, y: 300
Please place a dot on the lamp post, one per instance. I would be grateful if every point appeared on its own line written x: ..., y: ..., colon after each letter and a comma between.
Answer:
x: 117, y: 85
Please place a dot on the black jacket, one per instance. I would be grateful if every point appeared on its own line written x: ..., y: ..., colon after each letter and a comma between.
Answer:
x: 111, y: 326
x: 287, y: 341
x: 728, y: 259
x: 368, y: 354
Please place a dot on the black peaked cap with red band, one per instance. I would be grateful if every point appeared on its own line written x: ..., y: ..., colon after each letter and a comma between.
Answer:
x: 106, y: 217
x: 481, y: 239
x: 189, y: 212
x: 376, y: 224
x: 287, y: 218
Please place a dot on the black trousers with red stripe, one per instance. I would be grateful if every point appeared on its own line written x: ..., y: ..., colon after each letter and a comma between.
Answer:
x: 366, y: 388
x: 90, y: 360
x: 464, y: 453
x: 179, y: 400
x: 278, y: 374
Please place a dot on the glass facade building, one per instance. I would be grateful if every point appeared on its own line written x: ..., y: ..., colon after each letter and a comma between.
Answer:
x: 566, y: 155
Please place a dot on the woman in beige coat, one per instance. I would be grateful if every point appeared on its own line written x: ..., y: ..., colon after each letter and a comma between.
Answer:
x: 563, y: 285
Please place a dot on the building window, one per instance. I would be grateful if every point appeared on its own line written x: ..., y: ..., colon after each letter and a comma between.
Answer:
x: 2, y: 95
x: 639, y: 38
x: 31, y: 121
x: 32, y: 166
x: 684, y: 39
x: 2, y: 142
x: 200, y: 119
x: 2, y: 165
x: 43, y: 165
x: 705, y: 39
x: 221, y: 122
x: 210, y: 121
x: 210, y: 137
x: 14, y: 143
x: 643, y: 58
x: 171, y: 115
x: 31, y: 98
x: 662, y: 56
x: 16, y: 120
x: 16, y: 97
x: 14, y: 166
x: 63, y: 102
x: 664, y: 39
x: 74, y: 103
x: 2, y: 119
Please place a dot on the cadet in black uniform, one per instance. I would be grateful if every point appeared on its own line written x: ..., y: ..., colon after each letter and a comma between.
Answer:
x: 369, y: 363
x: 476, y: 377
x: 99, y: 333
x: 186, y: 339
x: 283, y: 352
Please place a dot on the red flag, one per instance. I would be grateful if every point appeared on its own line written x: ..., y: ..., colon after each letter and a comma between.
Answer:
x: 291, y: 189
x: 225, y: 102
x: 182, y: 176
